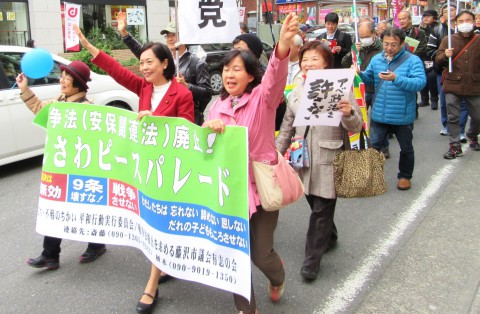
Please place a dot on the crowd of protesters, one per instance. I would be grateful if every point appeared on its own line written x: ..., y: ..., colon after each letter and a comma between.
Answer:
x: 399, y: 79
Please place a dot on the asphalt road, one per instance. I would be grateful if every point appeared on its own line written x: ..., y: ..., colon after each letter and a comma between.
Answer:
x: 391, y: 250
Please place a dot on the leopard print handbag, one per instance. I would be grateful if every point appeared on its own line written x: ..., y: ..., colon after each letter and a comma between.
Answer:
x: 359, y: 173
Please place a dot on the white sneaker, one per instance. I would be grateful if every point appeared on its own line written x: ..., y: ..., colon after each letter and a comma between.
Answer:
x: 444, y: 132
x: 463, y: 139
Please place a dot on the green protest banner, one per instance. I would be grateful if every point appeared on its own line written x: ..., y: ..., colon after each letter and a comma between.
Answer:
x: 177, y: 191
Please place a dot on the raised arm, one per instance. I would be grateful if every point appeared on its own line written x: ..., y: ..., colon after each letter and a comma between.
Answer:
x: 275, y: 77
x: 94, y: 51
x: 289, y: 28
x: 120, y: 74
x: 132, y: 44
x: 28, y: 97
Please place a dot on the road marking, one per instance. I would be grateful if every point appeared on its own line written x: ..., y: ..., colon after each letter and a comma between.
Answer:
x: 341, y: 298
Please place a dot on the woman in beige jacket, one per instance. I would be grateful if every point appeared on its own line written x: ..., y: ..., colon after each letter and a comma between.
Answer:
x: 324, y: 142
x: 73, y: 88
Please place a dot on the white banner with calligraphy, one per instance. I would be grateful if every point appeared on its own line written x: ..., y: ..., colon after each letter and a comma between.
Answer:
x: 322, y: 91
x: 208, y: 21
x: 72, y: 16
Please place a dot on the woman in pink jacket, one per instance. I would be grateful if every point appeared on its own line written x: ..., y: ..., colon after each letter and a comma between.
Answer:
x: 248, y: 100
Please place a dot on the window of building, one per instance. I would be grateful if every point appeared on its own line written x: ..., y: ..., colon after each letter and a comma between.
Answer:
x: 14, y: 26
x: 103, y: 16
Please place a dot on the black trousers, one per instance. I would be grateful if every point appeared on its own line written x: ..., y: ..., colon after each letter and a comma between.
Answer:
x: 430, y: 91
x: 51, y: 247
x: 321, y: 230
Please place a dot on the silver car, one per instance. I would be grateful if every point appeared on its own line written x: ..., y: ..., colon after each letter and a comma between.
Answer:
x: 19, y: 137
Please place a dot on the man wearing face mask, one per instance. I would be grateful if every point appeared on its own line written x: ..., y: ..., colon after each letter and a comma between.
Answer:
x: 369, y: 46
x: 436, y: 36
x: 462, y: 83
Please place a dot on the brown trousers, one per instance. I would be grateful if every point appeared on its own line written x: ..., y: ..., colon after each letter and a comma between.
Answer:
x: 262, y: 228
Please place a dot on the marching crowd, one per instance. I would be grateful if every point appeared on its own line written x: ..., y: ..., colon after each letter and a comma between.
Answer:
x: 398, y: 80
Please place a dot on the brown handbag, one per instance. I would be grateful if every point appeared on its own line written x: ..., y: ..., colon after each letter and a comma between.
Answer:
x: 359, y: 173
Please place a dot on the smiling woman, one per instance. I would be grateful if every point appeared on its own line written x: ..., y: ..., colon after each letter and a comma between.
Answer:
x: 160, y: 95
x: 248, y: 100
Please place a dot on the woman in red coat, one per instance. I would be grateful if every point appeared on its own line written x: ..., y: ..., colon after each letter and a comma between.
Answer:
x: 160, y: 95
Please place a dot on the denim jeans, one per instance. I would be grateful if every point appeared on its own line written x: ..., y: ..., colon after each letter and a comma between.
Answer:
x: 443, y: 108
x: 404, y: 135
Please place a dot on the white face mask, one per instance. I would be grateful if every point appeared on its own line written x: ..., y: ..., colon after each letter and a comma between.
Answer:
x: 366, y: 42
x: 465, y: 27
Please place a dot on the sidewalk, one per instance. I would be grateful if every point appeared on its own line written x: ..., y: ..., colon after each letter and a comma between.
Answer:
x: 438, y: 269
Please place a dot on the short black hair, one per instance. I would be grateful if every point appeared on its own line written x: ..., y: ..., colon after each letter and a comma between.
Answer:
x: 465, y: 12
x: 77, y: 84
x: 162, y: 52
x: 252, y: 66
x: 394, y: 32
x: 331, y: 17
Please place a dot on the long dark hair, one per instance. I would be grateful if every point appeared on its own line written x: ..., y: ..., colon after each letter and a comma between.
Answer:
x: 252, y: 66
x: 321, y: 48
x: 162, y: 52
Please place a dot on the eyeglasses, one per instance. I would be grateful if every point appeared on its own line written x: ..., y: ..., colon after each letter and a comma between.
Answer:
x: 66, y: 78
x: 393, y: 45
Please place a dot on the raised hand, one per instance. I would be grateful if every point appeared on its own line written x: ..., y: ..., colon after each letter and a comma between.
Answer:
x: 22, y: 82
x: 122, y: 24
x: 84, y: 42
x: 290, y: 27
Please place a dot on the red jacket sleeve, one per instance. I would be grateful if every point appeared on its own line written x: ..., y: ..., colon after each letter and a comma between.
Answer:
x: 121, y: 75
x: 186, y: 106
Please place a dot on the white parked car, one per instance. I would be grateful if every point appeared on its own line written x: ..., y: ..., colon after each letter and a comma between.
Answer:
x: 19, y: 137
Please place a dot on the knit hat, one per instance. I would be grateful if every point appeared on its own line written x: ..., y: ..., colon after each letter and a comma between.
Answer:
x: 432, y: 13
x: 253, y: 42
x: 79, y: 70
x: 169, y: 29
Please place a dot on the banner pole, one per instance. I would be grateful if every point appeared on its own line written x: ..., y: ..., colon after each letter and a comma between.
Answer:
x: 355, y: 20
x: 449, y: 36
x: 177, y: 34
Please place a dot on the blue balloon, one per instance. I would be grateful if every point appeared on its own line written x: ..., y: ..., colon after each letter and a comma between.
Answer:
x: 37, y: 63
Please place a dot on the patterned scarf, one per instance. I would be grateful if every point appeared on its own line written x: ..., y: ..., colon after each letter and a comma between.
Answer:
x: 235, y: 100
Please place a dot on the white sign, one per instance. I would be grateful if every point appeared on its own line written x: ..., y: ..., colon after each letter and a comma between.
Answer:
x: 202, y: 22
x: 241, y: 14
x: 135, y: 16
x: 322, y: 91
x: 72, y: 16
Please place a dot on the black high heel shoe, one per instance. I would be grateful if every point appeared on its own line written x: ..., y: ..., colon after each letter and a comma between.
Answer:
x: 143, y: 308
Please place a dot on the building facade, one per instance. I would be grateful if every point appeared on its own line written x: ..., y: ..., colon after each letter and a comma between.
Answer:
x: 42, y: 20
